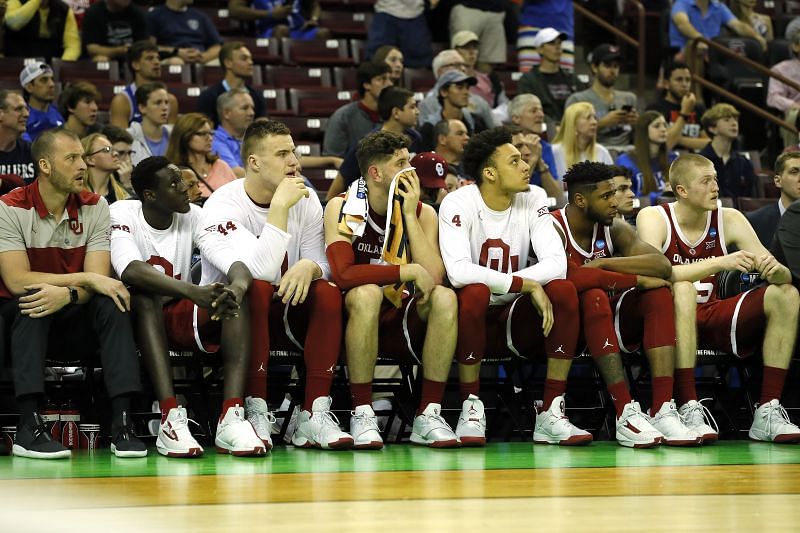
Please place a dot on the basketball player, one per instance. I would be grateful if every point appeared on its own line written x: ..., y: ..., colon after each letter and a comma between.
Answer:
x: 607, y: 256
x: 151, y: 249
x: 695, y: 235
x: 508, y: 304
x: 422, y: 324
x: 271, y: 223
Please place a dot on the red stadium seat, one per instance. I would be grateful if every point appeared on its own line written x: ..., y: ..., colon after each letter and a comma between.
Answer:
x: 345, y: 78
x: 419, y: 80
x: 510, y: 80
x: 746, y: 204
x: 317, y: 52
x: 358, y: 50
x: 346, y: 25
x: 108, y: 89
x: 312, y: 149
x: 176, y: 74
x: 265, y: 51
x: 306, y: 128
x: 276, y: 101
x: 187, y: 96
x: 222, y: 20
x: 208, y: 75
x: 85, y: 69
x: 12, y: 66
x: 317, y: 102
x: 300, y: 77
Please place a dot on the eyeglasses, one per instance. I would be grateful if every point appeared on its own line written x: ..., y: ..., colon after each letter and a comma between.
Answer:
x: 204, y: 133
x: 460, y: 66
x: 126, y: 153
x: 104, y: 150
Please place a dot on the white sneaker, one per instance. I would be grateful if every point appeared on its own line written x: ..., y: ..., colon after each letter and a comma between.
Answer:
x: 430, y: 429
x: 236, y: 436
x: 553, y: 427
x: 633, y: 429
x: 771, y: 424
x: 697, y: 417
x: 174, y: 438
x: 261, y: 418
x: 364, y: 429
x: 320, y: 428
x: 669, y: 423
x: 471, y: 427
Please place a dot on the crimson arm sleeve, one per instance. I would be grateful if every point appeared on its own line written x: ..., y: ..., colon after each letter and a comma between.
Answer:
x: 597, y: 278
x: 346, y: 274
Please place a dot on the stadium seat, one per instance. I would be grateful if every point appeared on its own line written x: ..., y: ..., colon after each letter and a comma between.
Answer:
x: 12, y: 66
x: 209, y: 75
x: 176, y: 74
x: 509, y: 80
x: 108, y: 89
x: 222, y: 20
x: 312, y: 149
x: 345, y: 78
x: 85, y: 69
x: 316, y: 52
x: 306, y: 128
x: 275, y: 99
x: 346, y: 25
x: 187, y: 96
x: 265, y: 51
x: 419, y: 80
x: 300, y: 77
x: 317, y: 102
x: 358, y: 50
x: 745, y: 204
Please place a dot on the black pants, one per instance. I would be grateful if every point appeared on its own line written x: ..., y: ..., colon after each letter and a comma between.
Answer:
x: 74, y: 329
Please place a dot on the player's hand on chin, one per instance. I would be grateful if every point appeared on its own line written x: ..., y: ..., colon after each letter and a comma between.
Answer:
x: 294, y: 285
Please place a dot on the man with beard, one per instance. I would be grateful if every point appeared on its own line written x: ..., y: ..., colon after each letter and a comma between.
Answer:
x: 616, y: 110
x: 681, y: 109
x: 606, y: 256
x: 40, y: 88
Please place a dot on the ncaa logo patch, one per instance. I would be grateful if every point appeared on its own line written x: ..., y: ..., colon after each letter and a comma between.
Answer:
x: 712, y: 232
x: 599, y: 243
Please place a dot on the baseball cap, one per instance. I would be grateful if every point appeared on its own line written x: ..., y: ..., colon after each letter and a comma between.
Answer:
x: 463, y: 38
x: 431, y: 169
x: 33, y: 71
x: 454, y: 76
x: 604, y: 53
x: 548, y: 35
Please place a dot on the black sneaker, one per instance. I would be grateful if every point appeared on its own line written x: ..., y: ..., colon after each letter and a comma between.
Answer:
x: 34, y: 441
x: 124, y: 443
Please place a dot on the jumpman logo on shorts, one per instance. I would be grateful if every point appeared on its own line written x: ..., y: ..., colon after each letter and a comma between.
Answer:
x: 471, y: 356
x: 608, y: 344
x: 332, y: 369
x: 261, y: 368
x: 560, y: 349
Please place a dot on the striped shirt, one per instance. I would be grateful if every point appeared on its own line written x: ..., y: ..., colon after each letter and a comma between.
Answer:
x: 53, y: 246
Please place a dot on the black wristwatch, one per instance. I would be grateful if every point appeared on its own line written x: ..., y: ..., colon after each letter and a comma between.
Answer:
x: 73, y: 295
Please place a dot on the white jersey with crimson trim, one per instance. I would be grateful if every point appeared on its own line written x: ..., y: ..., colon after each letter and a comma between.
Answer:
x: 169, y: 250
x: 480, y: 245
x: 234, y: 228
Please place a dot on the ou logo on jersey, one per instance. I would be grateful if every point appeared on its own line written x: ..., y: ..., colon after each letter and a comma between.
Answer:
x: 159, y: 263
x: 496, y: 255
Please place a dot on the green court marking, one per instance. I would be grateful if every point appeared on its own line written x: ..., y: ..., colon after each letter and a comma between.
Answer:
x: 400, y: 457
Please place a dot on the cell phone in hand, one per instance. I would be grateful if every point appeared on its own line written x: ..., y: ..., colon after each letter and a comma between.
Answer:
x: 627, y: 108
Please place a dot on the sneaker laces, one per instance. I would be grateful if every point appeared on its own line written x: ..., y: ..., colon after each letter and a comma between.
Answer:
x: 627, y: 414
x: 327, y: 418
x: 708, y: 419
x: 438, y: 418
x: 365, y: 419
x: 779, y: 412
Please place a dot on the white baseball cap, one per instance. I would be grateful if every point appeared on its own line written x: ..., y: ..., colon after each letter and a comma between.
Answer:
x: 548, y: 35
x: 33, y: 71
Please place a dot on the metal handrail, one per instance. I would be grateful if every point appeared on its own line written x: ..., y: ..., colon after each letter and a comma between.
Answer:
x: 638, y: 44
x: 691, y: 56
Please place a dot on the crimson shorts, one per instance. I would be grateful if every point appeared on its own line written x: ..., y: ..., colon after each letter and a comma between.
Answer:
x: 401, y: 332
x: 734, y: 325
x: 630, y: 320
x: 515, y: 329
x: 190, y: 327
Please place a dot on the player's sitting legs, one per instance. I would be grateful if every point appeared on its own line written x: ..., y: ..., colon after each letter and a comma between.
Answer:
x: 473, y: 304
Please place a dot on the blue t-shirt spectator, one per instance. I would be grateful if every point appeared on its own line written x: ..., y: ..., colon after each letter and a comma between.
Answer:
x: 39, y: 121
x: 709, y: 25
x: 295, y: 21
x: 183, y: 29
x: 637, y: 178
x: 227, y: 147
x: 547, y: 155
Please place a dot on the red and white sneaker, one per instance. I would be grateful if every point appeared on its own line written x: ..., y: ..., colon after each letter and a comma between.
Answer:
x: 261, y: 418
x: 430, y: 429
x: 174, y: 438
x: 634, y: 430
x: 669, y: 423
x: 364, y: 428
x: 236, y: 436
x: 553, y: 427
x: 471, y: 427
x: 697, y: 417
x: 771, y: 424
x: 320, y: 428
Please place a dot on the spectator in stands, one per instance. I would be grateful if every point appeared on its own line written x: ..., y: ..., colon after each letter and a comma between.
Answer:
x: 537, y: 15
x: 485, y: 19
x: 102, y: 162
x: 151, y: 135
x: 122, y: 141
x: 787, y: 178
x: 791, y: 28
x: 402, y: 24
x: 452, y: 89
x: 192, y: 185
x: 351, y: 122
x: 186, y: 35
x: 398, y: 111
x: 649, y: 160
x: 705, y: 18
x: 56, y: 272
x: 745, y: 12
x: 681, y: 109
x: 735, y: 173
x: 451, y: 137
x: 446, y: 61
x: 236, y: 111
x: 576, y: 139
x: 526, y: 112
x: 79, y: 7
x: 296, y: 19
x: 112, y: 26
x: 169, y: 309
x: 488, y: 87
x: 624, y: 193
x: 237, y: 60
x: 41, y: 28
x: 392, y: 56
x: 78, y: 104
x: 37, y: 81
x: 547, y: 80
x: 531, y: 148
x: 15, y: 153
x: 786, y: 244
x: 616, y: 110
x: 190, y: 146
x: 145, y: 65
x: 785, y: 98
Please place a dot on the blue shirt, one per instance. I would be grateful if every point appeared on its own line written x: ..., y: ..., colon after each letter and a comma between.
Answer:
x: 160, y: 147
x: 709, y: 26
x: 547, y: 155
x: 39, y: 121
x: 295, y: 20
x: 184, y: 29
x: 637, y: 178
x: 227, y: 147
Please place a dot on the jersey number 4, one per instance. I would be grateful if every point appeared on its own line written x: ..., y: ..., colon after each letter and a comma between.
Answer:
x: 457, y: 220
